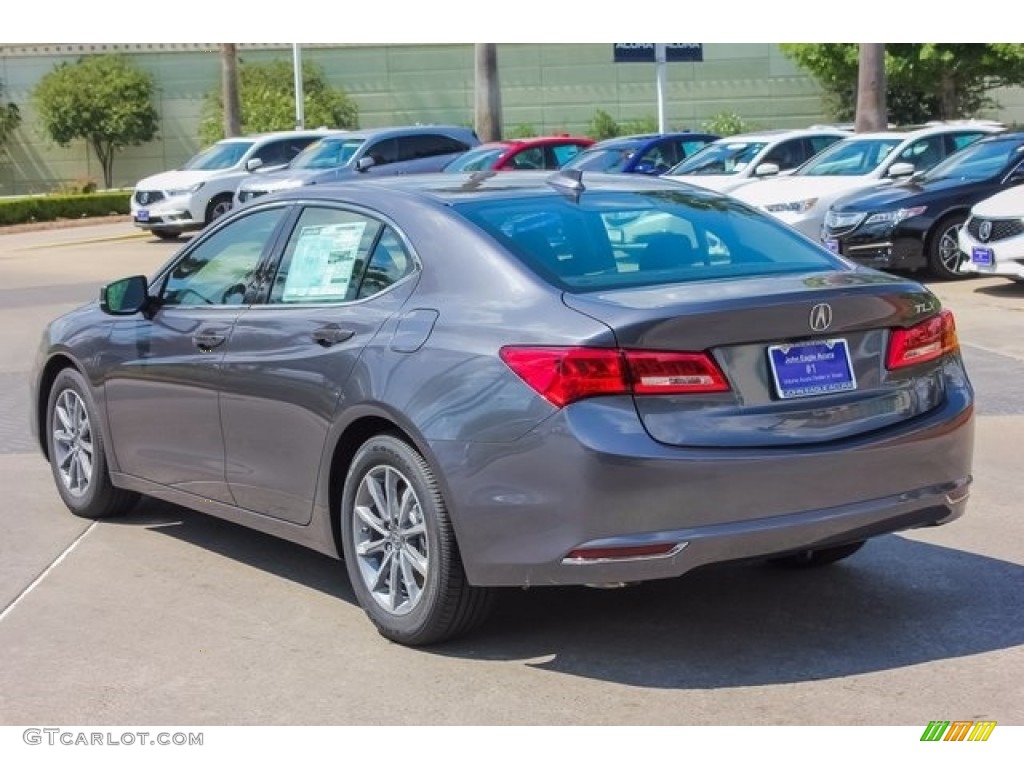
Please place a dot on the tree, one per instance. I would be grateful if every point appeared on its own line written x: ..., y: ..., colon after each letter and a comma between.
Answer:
x: 871, y: 110
x: 267, y: 95
x: 488, y: 92
x: 229, y: 89
x: 10, y: 118
x: 924, y: 81
x: 102, y: 99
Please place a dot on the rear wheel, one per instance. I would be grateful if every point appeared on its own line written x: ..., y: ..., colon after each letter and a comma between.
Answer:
x: 944, y: 257
x: 400, y: 549
x: 77, y: 458
x: 815, y: 558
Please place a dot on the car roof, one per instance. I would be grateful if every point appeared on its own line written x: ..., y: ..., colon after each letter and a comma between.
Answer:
x: 269, y: 135
x: 937, y: 129
x: 411, y: 130
x: 643, y: 138
x: 778, y: 134
x: 450, y: 188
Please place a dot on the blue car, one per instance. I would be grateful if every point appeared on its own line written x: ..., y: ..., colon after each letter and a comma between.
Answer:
x: 650, y: 153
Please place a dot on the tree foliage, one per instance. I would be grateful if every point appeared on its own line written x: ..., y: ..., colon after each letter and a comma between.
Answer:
x: 925, y: 81
x: 727, y: 124
x: 102, y: 99
x: 10, y: 118
x: 603, y: 126
x: 267, y: 93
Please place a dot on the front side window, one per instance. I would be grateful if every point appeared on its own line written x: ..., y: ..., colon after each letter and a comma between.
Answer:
x: 482, y: 159
x: 603, y: 160
x: 923, y: 154
x: 531, y: 159
x: 610, y: 240
x: 222, y: 268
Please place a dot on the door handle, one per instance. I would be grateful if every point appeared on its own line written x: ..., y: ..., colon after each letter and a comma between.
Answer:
x: 329, y: 335
x: 207, y: 340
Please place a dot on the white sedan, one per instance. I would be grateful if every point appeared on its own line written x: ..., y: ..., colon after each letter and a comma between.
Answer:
x: 992, y: 240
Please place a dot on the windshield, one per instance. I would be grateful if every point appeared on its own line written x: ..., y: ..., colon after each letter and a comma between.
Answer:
x: 602, y: 160
x: 327, y: 153
x: 719, y: 159
x: 613, y: 240
x: 223, y: 155
x: 851, y: 157
x: 978, y: 161
x: 481, y: 159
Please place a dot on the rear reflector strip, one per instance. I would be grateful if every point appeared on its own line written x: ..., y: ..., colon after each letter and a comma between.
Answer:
x: 586, y: 556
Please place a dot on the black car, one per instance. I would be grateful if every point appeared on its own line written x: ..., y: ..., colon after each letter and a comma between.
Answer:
x: 914, y: 225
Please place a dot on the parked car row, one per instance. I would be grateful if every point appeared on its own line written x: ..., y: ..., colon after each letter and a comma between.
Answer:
x: 239, y: 169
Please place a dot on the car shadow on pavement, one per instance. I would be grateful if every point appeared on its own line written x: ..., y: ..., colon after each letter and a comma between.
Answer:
x: 1009, y: 289
x: 267, y: 553
x: 896, y: 603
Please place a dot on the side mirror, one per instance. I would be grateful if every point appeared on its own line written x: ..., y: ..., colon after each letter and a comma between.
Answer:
x: 766, y: 169
x: 901, y: 169
x: 253, y: 163
x: 365, y: 163
x: 126, y: 296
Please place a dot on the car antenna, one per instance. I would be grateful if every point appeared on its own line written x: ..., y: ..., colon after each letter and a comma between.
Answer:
x: 569, y: 181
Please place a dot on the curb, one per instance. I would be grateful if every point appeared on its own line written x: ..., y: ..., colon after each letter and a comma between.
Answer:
x: 38, y: 226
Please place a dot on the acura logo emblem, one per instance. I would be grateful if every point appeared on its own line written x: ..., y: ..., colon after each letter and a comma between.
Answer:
x: 143, y: 197
x: 821, y: 317
x: 985, y: 231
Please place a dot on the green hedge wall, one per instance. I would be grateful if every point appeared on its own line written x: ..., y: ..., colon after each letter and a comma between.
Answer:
x: 20, y: 210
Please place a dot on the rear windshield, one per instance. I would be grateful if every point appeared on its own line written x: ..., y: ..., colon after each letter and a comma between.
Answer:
x: 627, y: 239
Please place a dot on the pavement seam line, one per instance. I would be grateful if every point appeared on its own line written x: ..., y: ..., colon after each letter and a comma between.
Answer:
x: 1001, y: 353
x: 46, y: 571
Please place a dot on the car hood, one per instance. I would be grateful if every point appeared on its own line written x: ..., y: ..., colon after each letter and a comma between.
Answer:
x: 286, y: 178
x: 179, y: 179
x: 1006, y: 205
x: 721, y: 183
x: 886, y: 196
x: 793, y: 188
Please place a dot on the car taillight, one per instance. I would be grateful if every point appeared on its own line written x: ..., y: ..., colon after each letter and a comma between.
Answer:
x: 562, y: 375
x: 925, y: 341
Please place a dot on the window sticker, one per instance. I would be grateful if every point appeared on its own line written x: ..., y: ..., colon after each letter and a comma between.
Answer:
x: 323, y: 262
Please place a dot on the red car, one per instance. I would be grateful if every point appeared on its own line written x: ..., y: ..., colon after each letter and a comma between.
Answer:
x: 533, y: 154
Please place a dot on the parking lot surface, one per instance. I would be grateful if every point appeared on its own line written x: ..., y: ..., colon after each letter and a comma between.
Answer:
x: 168, y: 616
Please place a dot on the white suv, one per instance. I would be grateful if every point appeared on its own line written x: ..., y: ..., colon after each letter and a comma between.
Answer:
x: 200, y: 191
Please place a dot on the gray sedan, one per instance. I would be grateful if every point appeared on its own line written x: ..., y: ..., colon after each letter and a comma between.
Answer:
x: 456, y: 383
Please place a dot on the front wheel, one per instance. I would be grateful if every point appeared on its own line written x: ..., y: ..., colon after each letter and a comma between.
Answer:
x: 77, y: 458
x: 400, y: 549
x: 944, y: 257
x: 217, y: 208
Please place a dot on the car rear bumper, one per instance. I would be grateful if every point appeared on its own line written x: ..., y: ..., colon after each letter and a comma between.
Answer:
x: 591, y: 478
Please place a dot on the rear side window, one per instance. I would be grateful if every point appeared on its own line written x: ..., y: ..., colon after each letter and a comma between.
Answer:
x: 618, y: 240
x: 428, y: 145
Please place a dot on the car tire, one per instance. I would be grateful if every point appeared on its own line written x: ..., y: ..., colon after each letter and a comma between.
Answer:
x: 76, y: 448
x: 217, y: 208
x: 815, y: 558
x: 943, y: 249
x: 167, y: 234
x: 400, y: 549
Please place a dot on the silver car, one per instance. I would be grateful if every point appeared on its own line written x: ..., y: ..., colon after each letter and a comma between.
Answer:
x: 459, y: 382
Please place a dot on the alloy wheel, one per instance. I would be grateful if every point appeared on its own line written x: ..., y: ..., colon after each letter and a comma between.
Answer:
x: 73, y: 443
